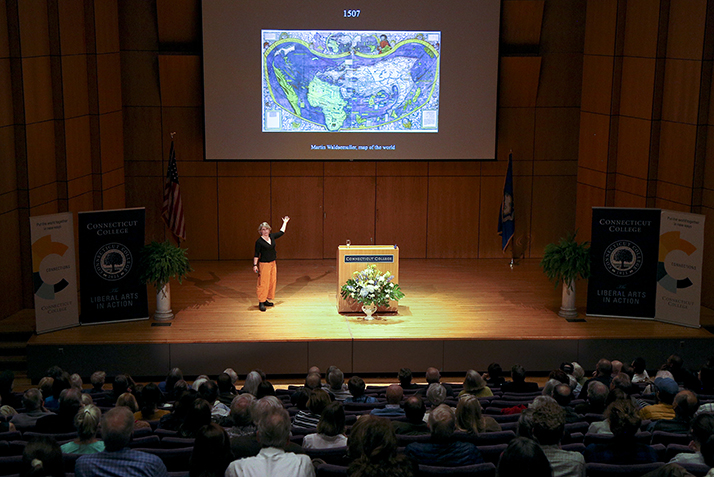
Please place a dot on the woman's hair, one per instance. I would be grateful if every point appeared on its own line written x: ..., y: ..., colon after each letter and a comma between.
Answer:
x: 494, y: 371
x: 639, y: 365
x: 356, y: 386
x: 151, y: 396
x: 373, y: 448
x: 319, y: 399
x: 469, y: 415
x: 521, y: 454
x: 265, y: 388
x: 623, y: 417
x: 251, y: 382
x: 211, y: 452
x: 199, y: 415
x: 473, y: 382
x: 702, y: 427
x: 87, y: 422
x: 128, y: 400
x: 263, y: 225
x: 174, y: 376
x: 45, y: 386
x: 42, y: 457
x: 332, y: 420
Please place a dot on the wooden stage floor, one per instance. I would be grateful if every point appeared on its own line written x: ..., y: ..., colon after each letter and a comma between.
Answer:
x: 457, y: 315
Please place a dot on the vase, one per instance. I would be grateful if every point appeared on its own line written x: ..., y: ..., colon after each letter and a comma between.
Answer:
x: 369, y: 311
x: 567, y: 307
x: 163, y: 304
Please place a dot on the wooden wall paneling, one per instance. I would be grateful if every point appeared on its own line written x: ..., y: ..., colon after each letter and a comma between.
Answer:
x: 41, y: 165
x: 518, y: 81
x: 600, y: 27
x: 142, y: 134
x: 75, y: 86
x: 37, y: 87
x: 187, y: 123
x: 179, y: 21
x: 149, y: 192
x: 592, y: 178
x: 114, y: 198
x: 708, y: 265
x: 641, y: 28
x: 43, y: 194
x: 300, y: 198
x: 685, y: 33
x: 72, y: 28
x: 4, y: 34
x: 199, y: 196
x: 551, y: 193
x: 626, y: 199
x: 454, y: 168
x: 112, y: 179
x: 521, y: 22
x: 10, y: 264
x: 196, y: 168
x: 407, y: 168
x: 34, y: 28
x: 106, y: 20
x: 632, y: 185
x: 402, y: 214
x: 111, y: 141
x: 556, y: 168
x: 594, y: 141
x: 188, y: 91
x: 79, y: 186
x: 109, y: 82
x: 81, y: 203
x: 668, y: 204
x: 563, y: 22
x: 6, y: 108
x: 138, y: 25
x: 296, y: 168
x: 674, y: 193
x: 8, y: 166
x: 597, y: 84
x: 633, y: 147
x: 242, y: 205
x: 140, y: 78
x: 243, y: 168
x: 350, y: 169
x: 637, y: 87
x: 350, y: 205
x: 560, y: 81
x: 682, y: 87
x: 77, y: 143
x: 45, y: 209
x: 453, y: 217
x: 515, y: 131
x: 556, y: 134
x: 588, y: 197
x: 143, y: 169
x: 708, y: 183
x: 676, y: 154
x: 491, y: 196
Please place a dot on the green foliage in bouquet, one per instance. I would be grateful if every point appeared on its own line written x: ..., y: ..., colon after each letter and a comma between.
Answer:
x: 566, y: 260
x: 371, y: 287
x: 160, y: 262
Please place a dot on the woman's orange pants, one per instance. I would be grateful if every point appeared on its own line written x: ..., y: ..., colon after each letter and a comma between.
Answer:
x: 267, y: 278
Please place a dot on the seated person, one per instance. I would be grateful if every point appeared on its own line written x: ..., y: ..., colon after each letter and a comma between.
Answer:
x: 702, y: 430
x: 330, y: 429
x: 405, y: 379
x: 623, y: 449
x: 549, y: 420
x: 318, y: 401
x: 34, y: 409
x: 356, y: 388
x: 414, y: 410
x: 494, y: 376
x: 394, y: 395
x: 475, y: 385
x: 523, y: 453
x: 87, y: 423
x: 665, y: 390
x: 443, y: 449
x: 596, y: 396
x: 70, y: 400
x: 685, y: 406
x: 373, y: 450
x: 470, y: 418
x: 518, y: 382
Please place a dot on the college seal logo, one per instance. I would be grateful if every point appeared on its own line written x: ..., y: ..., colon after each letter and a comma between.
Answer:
x: 622, y: 258
x: 113, y: 261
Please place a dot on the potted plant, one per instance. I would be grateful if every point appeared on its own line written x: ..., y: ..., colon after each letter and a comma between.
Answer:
x: 159, y: 263
x: 564, y: 262
x: 371, y: 289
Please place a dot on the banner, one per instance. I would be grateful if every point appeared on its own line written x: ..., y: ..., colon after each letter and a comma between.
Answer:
x: 54, y: 272
x: 109, y: 246
x: 624, y: 249
x: 679, y: 268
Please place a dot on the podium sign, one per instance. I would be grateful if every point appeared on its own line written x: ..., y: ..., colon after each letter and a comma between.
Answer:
x: 355, y: 258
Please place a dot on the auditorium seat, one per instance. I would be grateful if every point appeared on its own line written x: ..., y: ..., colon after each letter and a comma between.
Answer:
x: 10, y: 436
x: 612, y: 470
x: 698, y: 470
x: 146, y: 441
x: 330, y: 470
x: 492, y: 453
x: 674, y: 449
x: 487, y: 438
x: 175, y: 460
x: 68, y: 460
x: 177, y: 442
x: 61, y: 438
x: 486, y: 469
x: 10, y: 464
x: 335, y: 455
x: 666, y: 438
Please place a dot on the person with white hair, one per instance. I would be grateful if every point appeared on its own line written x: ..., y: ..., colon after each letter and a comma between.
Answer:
x: 251, y: 383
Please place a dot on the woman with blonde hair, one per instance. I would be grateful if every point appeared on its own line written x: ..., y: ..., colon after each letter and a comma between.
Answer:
x: 470, y: 418
x: 87, y: 423
x: 475, y: 385
x: 264, y: 263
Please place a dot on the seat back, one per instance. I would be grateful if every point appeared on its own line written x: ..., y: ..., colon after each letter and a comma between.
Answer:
x: 335, y: 455
x: 612, y: 470
x: 477, y: 470
x: 330, y: 470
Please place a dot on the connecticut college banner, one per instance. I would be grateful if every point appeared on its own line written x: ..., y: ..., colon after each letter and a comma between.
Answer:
x: 109, y: 245
x: 624, y: 250
x: 54, y: 272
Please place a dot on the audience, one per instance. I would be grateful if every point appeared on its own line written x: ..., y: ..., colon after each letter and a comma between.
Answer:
x: 241, y: 418
x: 318, y: 401
x: 405, y: 379
x: 34, y: 407
x: 356, y: 388
x: 394, y: 396
x: 518, y: 382
x: 475, y: 385
x: 70, y: 400
x: 433, y: 376
x: 211, y: 452
x: 603, y: 374
x: 685, y: 406
x: 640, y: 376
x: 42, y: 457
x: 336, y: 380
x: 470, y: 418
x: 151, y: 397
x: 414, y: 411
x: 548, y: 428
x: 226, y: 389
x: 701, y: 431
x: 87, y: 423
x: 373, y: 450
x: 521, y: 454
x: 597, y: 394
x: 330, y: 429
x: 251, y: 383
x: 666, y: 389
x: 494, y: 376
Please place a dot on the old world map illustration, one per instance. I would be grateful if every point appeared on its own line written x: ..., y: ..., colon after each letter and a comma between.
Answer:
x: 350, y: 81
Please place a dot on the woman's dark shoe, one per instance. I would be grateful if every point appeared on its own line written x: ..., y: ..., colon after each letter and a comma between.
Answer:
x: 261, y: 306
x: 267, y: 303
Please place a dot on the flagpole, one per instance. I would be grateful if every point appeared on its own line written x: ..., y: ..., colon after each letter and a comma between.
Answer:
x: 178, y: 239
x: 513, y: 252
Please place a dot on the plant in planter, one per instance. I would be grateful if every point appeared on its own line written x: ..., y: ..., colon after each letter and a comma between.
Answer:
x: 564, y: 262
x: 159, y: 263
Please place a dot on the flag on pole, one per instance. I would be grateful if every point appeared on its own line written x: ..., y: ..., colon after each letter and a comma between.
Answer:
x: 172, y: 210
x: 506, y: 226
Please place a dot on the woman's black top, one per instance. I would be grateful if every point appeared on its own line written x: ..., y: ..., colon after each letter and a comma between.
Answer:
x: 264, y: 250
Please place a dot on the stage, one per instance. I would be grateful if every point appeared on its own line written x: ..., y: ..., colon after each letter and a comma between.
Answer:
x: 457, y: 315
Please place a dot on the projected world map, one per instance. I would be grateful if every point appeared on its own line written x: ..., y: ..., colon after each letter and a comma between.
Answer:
x: 354, y: 81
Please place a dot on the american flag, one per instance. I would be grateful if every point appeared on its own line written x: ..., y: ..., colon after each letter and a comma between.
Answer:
x: 172, y: 210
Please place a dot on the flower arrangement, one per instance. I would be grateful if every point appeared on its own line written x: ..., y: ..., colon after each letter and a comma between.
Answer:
x: 370, y: 287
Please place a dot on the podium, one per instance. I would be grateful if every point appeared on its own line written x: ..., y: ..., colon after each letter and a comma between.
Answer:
x: 355, y: 258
